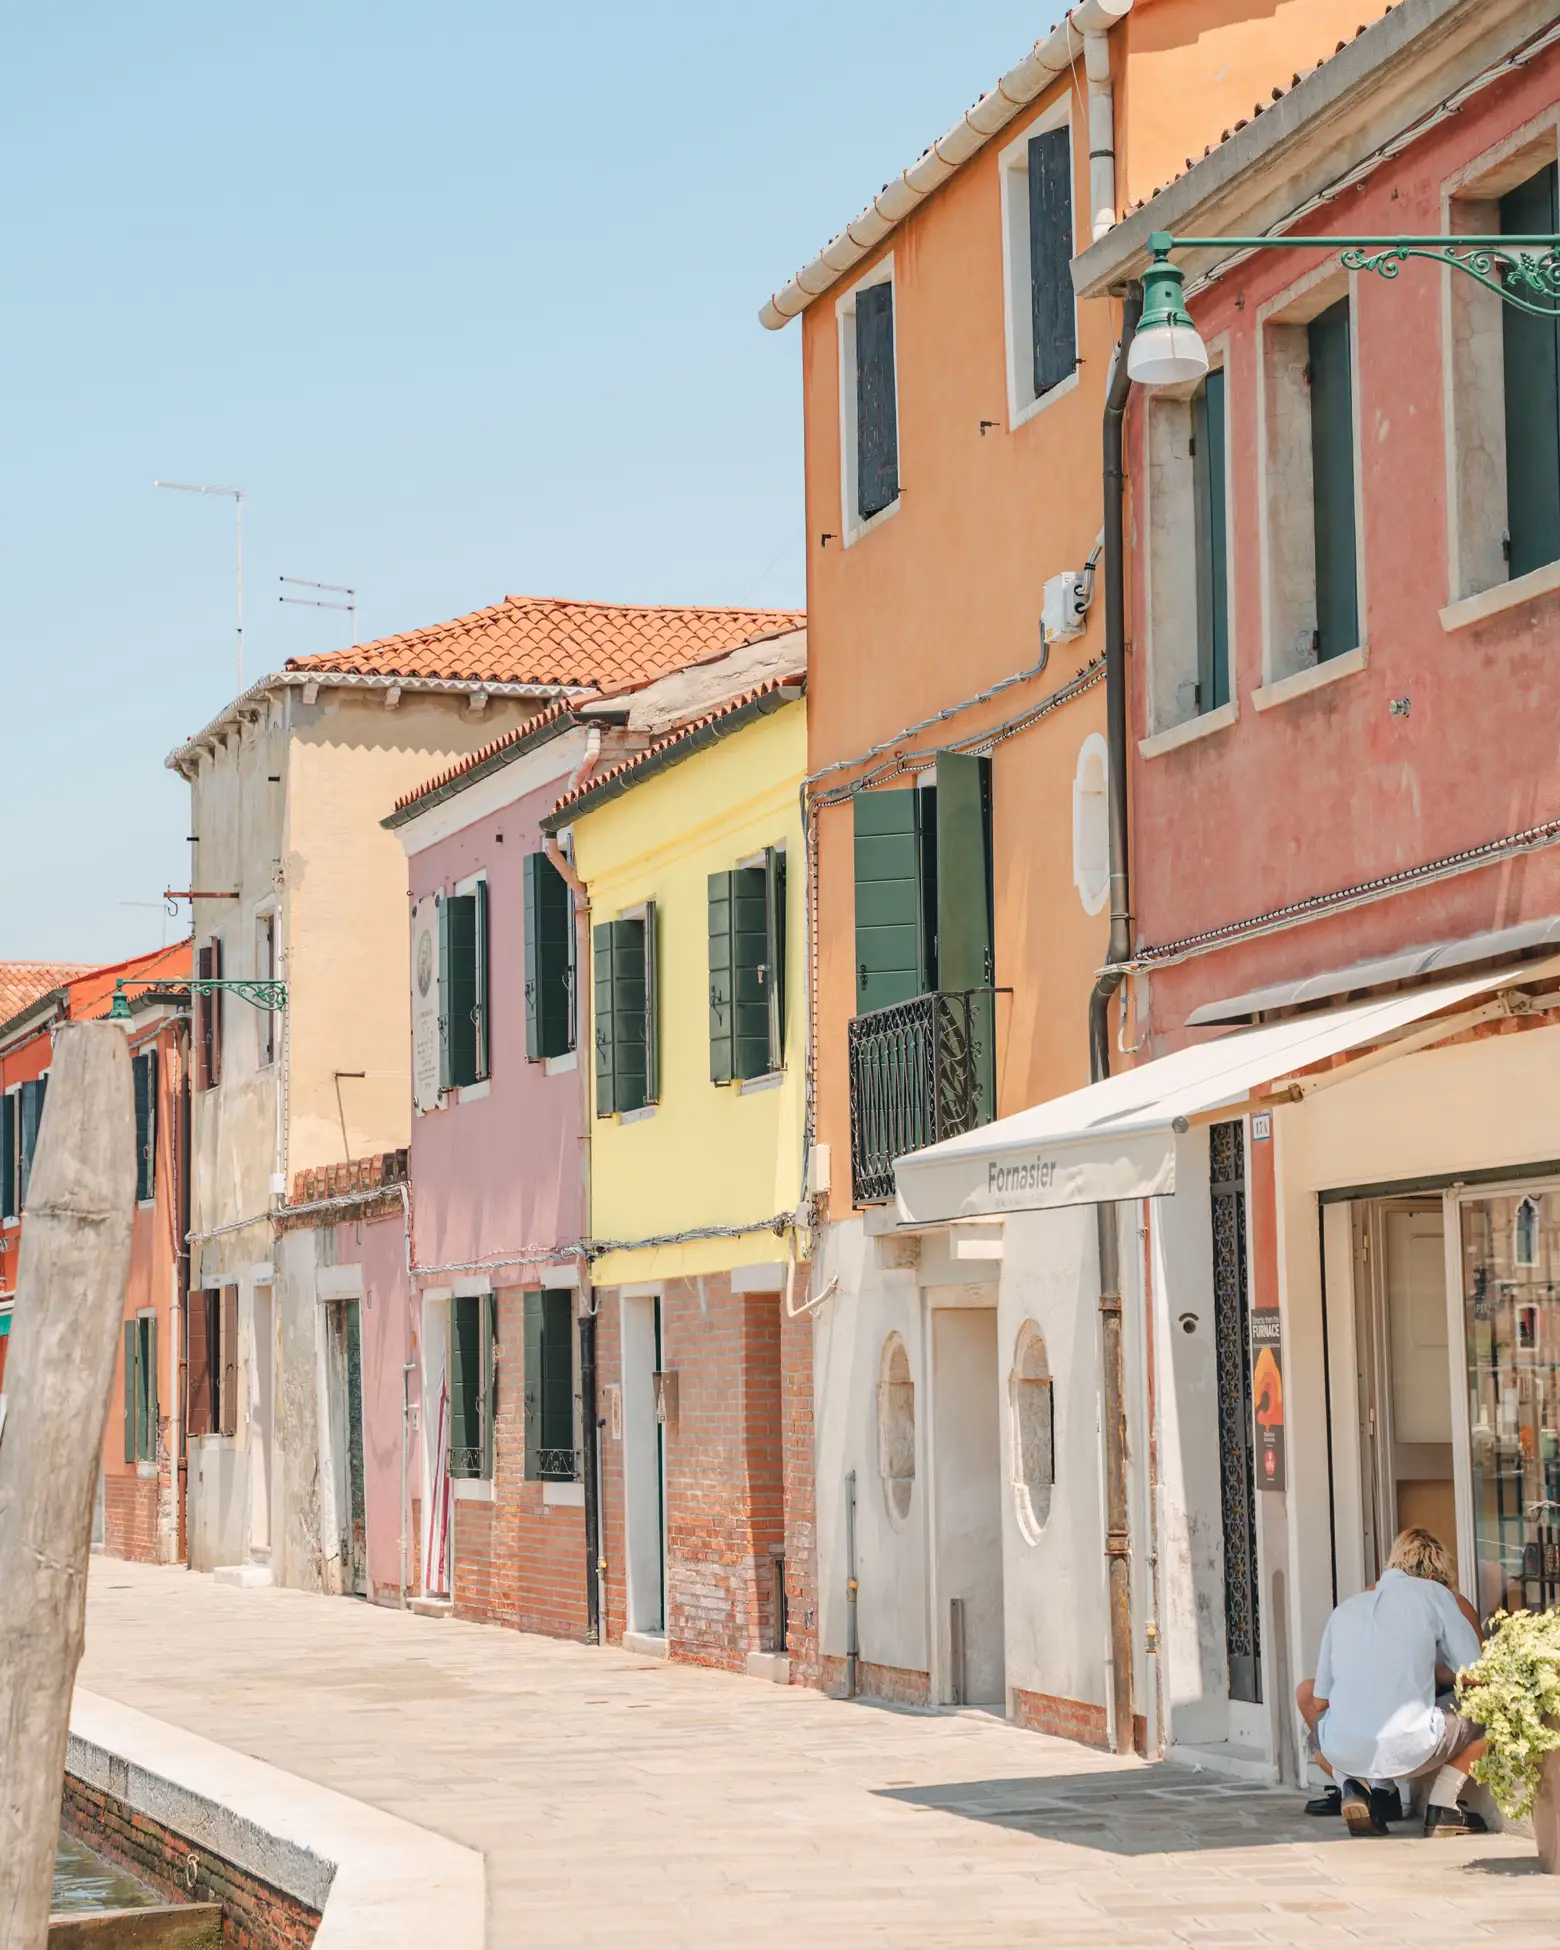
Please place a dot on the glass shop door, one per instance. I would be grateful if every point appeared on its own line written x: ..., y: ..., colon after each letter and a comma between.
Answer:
x: 1510, y: 1247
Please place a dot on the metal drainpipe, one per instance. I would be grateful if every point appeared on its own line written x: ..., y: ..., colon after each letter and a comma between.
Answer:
x: 1118, y: 1544
x: 852, y: 1643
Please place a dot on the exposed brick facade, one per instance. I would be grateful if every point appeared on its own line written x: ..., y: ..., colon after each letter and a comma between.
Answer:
x: 519, y: 1561
x: 1068, y: 1719
x: 130, y: 1516
x: 255, y: 1915
x: 739, y: 1485
x: 899, y: 1685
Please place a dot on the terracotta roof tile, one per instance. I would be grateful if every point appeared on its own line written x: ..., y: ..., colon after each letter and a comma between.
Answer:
x: 92, y: 993
x: 22, y: 982
x: 551, y: 640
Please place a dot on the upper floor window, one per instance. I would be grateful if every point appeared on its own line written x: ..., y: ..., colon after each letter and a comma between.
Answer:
x: 1037, y: 220
x: 143, y: 1070
x: 1310, y: 506
x: 1188, y: 555
x: 208, y: 1015
x: 141, y: 1410
x: 869, y: 408
x: 1531, y: 348
x: 627, y: 1042
x: 549, y: 961
x: 473, y: 1372
x: 747, y: 970
x: 923, y: 885
x: 265, y: 969
x: 463, y: 986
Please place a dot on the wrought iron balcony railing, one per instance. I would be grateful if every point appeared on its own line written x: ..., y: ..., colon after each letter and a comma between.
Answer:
x: 558, y: 1465
x: 920, y: 1071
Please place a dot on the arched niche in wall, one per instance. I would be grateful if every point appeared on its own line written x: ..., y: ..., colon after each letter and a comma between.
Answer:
x: 1091, y: 824
x: 896, y: 1428
x: 1034, y: 1432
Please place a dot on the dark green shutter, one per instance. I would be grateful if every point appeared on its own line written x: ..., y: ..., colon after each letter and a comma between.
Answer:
x: 8, y: 1199
x: 1050, y: 258
x: 446, y: 1076
x: 533, y: 1386
x: 630, y: 1046
x: 144, y: 1072
x: 31, y: 1117
x: 481, y: 1061
x: 149, y: 1388
x: 877, y: 427
x: 1332, y: 482
x: 650, y: 950
x: 602, y: 944
x: 466, y: 1350
x: 1212, y: 540
x: 750, y: 953
x: 774, y: 952
x: 487, y: 1382
x: 1532, y: 356
x: 461, y: 1003
x: 965, y: 958
x: 549, y: 923
x: 132, y: 1392
x: 722, y: 975
x: 557, y: 1371
x: 891, y: 945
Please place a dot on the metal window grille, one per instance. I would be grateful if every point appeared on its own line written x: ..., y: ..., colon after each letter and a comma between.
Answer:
x: 920, y: 1071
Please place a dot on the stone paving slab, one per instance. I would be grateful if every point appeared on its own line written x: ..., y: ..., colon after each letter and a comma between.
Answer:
x: 626, y: 1801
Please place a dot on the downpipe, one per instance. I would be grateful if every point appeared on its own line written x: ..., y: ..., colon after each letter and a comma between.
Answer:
x: 852, y: 1642
x: 1118, y: 1543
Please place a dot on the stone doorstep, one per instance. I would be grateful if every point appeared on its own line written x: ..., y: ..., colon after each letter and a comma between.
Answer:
x: 649, y: 1645
x: 773, y: 1666
x: 246, y: 1577
x: 154, y: 1926
x: 432, y: 1607
x: 380, y: 1883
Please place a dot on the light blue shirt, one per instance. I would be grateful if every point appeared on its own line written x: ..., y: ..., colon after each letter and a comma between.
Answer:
x: 1377, y: 1671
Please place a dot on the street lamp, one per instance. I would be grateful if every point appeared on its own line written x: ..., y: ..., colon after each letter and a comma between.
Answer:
x: 1167, y: 350
x: 187, y: 487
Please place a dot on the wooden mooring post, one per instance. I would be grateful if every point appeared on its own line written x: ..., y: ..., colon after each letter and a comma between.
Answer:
x: 69, y: 1299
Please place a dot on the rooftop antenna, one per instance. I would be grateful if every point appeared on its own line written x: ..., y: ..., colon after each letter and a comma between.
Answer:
x: 189, y: 487
x: 316, y: 602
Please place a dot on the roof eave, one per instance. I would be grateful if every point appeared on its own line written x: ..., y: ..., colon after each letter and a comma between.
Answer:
x: 495, y: 762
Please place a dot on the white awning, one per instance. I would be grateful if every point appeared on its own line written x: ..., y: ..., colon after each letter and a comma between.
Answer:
x: 1116, y: 1139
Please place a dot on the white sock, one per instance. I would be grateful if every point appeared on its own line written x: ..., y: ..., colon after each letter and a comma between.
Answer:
x: 1446, y: 1787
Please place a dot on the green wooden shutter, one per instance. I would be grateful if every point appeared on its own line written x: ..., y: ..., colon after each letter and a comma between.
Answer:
x: 481, y: 1060
x: 750, y: 955
x: 31, y: 1107
x: 557, y: 1371
x: 722, y: 967
x: 1211, y: 523
x: 774, y: 951
x: 877, y: 425
x: 1332, y: 481
x: 462, y: 991
x: 1532, y: 356
x: 487, y: 1382
x: 446, y: 1074
x: 965, y: 958
x: 603, y: 942
x: 144, y: 1074
x: 132, y: 1392
x: 149, y: 1388
x: 533, y: 1386
x: 650, y: 949
x: 549, y: 926
x: 891, y: 945
x: 8, y: 1199
x: 468, y: 1344
x: 1050, y: 258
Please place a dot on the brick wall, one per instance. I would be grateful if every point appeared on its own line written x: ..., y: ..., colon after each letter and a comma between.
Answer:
x: 130, y: 1517
x: 1068, y: 1719
x: 255, y: 1915
x: 900, y: 1685
x: 519, y: 1561
x: 738, y: 1475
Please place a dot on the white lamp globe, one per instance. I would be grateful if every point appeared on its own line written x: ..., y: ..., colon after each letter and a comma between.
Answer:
x: 1166, y: 355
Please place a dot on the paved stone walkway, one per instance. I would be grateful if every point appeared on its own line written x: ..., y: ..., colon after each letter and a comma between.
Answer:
x: 623, y: 1802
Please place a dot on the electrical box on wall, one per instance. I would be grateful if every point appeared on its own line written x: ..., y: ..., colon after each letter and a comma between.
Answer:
x: 665, y: 1383
x: 1064, y: 607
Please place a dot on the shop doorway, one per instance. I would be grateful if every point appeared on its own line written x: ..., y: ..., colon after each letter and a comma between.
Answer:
x: 967, y: 1506
x: 1404, y: 1368
x: 647, y: 1403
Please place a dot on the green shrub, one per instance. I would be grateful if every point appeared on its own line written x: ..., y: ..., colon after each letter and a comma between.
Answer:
x: 1514, y: 1692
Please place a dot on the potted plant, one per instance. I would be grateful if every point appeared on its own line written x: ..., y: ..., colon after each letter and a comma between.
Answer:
x: 1514, y: 1694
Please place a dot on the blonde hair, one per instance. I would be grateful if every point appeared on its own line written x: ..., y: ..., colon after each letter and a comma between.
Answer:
x: 1422, y: 1555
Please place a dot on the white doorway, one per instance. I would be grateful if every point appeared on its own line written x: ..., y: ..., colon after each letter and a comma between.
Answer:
x: 262, y: 1419
x: 436, y: 1492
x: 644, y: 1466
x: 967, y: 1507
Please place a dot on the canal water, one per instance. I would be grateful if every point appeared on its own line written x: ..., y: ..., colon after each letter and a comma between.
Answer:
x: 84, y: 1881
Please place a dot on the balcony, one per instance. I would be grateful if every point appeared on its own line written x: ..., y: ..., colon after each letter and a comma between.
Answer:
x: 920, y: 1071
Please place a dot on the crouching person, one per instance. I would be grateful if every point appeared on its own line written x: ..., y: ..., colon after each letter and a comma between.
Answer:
x: 1372, y: 1708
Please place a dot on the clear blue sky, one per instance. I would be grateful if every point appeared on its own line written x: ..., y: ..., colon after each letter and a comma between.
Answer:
x: 463, y: 296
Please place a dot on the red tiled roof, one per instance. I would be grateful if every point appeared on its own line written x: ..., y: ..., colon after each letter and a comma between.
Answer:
x: 550, y: 640
x: 22, y: 982
x: 639, y: 760
x: 92, y: 993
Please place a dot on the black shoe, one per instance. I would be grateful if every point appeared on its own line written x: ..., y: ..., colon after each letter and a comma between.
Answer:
x: 1444, y: 1822
x: 1360, y: 1807
x: 1328, y: 1802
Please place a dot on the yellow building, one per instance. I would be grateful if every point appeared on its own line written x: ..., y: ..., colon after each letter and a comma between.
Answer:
x: 691, y: 857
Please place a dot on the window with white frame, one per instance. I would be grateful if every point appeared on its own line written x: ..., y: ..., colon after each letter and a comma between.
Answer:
x: 1037, y: 247
x: 869, y: 402
x: 1188, y: 587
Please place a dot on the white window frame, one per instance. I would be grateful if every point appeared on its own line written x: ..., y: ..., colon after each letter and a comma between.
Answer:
x: 1023, y: 403
x: 852, y: 527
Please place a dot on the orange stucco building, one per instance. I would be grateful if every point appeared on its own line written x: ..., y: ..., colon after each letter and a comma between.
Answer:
x: 953, y: 395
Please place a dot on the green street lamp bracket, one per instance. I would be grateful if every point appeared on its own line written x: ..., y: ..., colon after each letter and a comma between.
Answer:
x: 1521, y: 271
x: 269, y: 994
